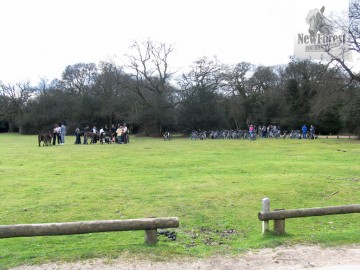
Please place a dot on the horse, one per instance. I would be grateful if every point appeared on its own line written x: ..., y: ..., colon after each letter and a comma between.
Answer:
x: 45, y: 137
x: 94, y: 137
x: 318, y: 23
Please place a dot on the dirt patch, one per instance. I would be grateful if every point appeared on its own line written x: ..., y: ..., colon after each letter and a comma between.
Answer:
x: 279, y: 258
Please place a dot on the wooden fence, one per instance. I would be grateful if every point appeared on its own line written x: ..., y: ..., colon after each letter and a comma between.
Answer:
x: 279, y: 215
x: 354, y: 137
x: 149, y: 225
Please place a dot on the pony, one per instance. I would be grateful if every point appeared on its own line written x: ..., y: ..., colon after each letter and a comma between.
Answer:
x: 318, y: 22
x: 45, y: 137
x: 93, y: 137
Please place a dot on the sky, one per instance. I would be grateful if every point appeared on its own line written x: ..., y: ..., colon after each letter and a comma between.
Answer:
x: 39, y: 38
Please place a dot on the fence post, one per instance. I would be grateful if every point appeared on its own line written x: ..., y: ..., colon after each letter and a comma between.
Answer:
x: 279, y: 225
x: 265, y: 207
x: 151, y: 237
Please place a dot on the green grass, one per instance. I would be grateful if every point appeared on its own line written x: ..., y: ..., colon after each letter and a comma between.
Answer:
x: 214, y: 187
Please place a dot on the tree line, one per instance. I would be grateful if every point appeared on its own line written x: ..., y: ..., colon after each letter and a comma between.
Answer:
x: 211, y: 95
x: 151, y: 97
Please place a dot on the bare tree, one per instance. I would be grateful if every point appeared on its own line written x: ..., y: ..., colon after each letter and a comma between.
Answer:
x: 351, y: 27
x: 14, y: 97
x: 150, y: 79
x: 205, y: 74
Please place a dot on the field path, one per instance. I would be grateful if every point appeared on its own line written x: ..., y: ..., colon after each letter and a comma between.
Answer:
x: 280, y: 258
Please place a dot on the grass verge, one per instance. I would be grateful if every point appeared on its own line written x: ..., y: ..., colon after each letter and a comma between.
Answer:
x: 215, y: 187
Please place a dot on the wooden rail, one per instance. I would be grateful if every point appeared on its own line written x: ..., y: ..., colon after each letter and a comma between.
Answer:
x: 309, y: 212
x: 279, y: 215
x: 338, y: 137
x: 149, y: 225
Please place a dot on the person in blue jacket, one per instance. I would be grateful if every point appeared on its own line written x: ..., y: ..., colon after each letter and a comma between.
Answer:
x: 304, y: 131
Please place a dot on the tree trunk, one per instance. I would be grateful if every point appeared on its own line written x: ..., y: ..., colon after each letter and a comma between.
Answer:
x: 160, y: 128
x: 11, y: 126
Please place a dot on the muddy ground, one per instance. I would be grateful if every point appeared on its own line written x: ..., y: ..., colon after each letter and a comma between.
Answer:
x: 280, y: 258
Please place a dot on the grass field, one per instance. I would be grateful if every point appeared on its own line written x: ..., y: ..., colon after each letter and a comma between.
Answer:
x: 214, y: 187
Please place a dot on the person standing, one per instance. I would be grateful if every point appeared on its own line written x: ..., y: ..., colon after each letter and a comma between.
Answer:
x: 77, y: 135
x: 86, y: 131
x: 252, y: 132
x: 95, y: 135
x: 55, y: 134
x: 312, y: 132
x: 62, y: 133
x: 119, y: 133
x: 58, y: 134
x: 263, y: 132
x: 304, y: 131
x: 113, y: 132
x: 101, y: 131
x: 124, y: 133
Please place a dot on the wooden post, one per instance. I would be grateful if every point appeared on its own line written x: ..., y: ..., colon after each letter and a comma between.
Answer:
x: 265, y: 208
x: 279, y: 225
x: 151, y: 237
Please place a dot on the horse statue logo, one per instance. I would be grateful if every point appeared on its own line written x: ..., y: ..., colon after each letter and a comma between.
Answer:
x: 318, y: 22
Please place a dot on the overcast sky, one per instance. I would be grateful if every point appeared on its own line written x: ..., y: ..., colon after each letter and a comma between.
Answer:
x: 39, y: 38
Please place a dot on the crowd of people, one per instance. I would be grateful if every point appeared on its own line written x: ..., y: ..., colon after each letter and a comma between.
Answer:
x: 59, y: 132
x: 115, y: 134
x: 119, y: 134
x: 275, y: 131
